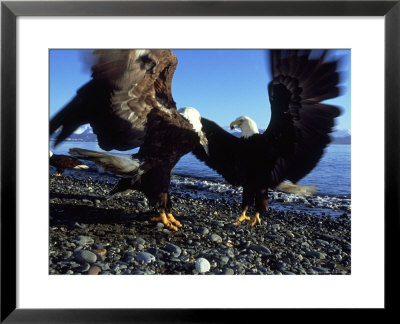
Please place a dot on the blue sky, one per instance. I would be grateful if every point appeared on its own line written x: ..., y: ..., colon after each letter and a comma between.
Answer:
x: 221, y: 84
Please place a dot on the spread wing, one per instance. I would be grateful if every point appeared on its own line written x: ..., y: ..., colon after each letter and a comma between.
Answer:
x: 298, y: 131
x: 224, y: 152
x: 126, y: 86
x: 300, y: 121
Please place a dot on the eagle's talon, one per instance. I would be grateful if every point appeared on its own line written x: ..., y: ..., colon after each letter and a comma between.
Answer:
x: 164, y: 219
x: 241, y: 219
x: 256, y: 220
x: 172, y: 219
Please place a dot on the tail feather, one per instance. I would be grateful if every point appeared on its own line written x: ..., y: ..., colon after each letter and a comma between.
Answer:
x: 81, y: 166
x: 296, y: 189
x: 119, y: 165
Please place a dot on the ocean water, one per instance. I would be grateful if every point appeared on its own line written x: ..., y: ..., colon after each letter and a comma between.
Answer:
x: 332, y: 175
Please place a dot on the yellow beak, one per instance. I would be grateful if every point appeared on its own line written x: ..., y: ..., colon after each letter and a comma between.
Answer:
x: 234, y: 124
x: 204, y: 143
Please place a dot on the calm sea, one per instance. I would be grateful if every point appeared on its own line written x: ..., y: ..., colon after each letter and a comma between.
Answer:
x: 332, y: 175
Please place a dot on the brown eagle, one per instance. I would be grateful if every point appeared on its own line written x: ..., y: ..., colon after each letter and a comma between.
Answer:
x: 62, y: 162
x: 296, y: 136
x: 128, y: 102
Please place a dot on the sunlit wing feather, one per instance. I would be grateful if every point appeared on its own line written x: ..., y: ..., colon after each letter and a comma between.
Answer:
x: 126, y: 86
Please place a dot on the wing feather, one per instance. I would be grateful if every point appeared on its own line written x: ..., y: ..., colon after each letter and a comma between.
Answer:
x: 126, y: 86
x: 305, y: 125
x: 225, y: 152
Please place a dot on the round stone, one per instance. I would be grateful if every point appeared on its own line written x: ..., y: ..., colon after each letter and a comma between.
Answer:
x: 174, y: 249
x: 228, y: 271
x: 202, y: 265
x: 94, y: 270
x: 145, y: 257
x: 203, y: 231
x: 84, y: 256
x: 216, y: 238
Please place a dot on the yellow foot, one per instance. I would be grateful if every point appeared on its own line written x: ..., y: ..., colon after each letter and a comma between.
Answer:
x: 164, y: 219
x: 255, y: 220
x: 172, y: 219
x: 242, y: 218
x: 58, y: 175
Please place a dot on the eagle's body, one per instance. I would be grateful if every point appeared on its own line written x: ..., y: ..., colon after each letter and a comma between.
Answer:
x: 295, y: 139
x: 62, y: 162
x: 129, y: 104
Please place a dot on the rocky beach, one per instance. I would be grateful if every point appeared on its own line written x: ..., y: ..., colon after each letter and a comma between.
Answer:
x: 89, y: 234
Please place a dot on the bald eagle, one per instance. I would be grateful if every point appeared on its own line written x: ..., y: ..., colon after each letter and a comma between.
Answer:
x: 296, y: 136
x: 62, y: 162
x: 128, y: 102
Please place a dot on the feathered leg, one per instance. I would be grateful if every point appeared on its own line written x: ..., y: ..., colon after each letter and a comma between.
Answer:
x: 261, y: 206
x: 247, y: 200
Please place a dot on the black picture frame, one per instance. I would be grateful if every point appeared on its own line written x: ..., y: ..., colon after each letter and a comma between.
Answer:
x: 10, y: 10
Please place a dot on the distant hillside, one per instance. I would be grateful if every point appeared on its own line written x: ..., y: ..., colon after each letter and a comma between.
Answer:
x: 341, y: 140
x: 82, y: 134
x: 341, y: 136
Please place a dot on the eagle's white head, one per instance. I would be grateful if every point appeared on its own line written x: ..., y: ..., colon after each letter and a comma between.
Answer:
x: 194, y: 117
x: 246, y: 125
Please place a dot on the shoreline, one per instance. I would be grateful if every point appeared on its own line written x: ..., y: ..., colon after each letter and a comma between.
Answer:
x: 89, y: 234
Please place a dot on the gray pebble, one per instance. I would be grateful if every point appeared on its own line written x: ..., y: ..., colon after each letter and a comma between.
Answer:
x: 145, y: 257
x: 321, y: 270
x: 140, y: 241
x: 322, y: 242
x: 85, y: 267
x: 217, y: 224
x: 215, y: 238
x: 277, y: 238
x: 316, y: 254
x: 260, y: 249
x: 174, y: 249
x: 203, y: 231
x: 228, y: 271
x: 84, y: 240
x: 290, y: 234
x: 224, y: 260
x: 276, y: 227
x: 84, y: 256
x: 66, y: 255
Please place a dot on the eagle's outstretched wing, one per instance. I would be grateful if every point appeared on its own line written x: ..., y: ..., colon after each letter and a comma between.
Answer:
x: 225, y: 154
x: 300, y: 121
x: 126, y: 86
x: 298, y: 131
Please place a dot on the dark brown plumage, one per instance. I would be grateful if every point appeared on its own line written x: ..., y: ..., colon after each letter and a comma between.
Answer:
x: 129, y: 103
x: 62, y: 162
x: 295, y: 139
